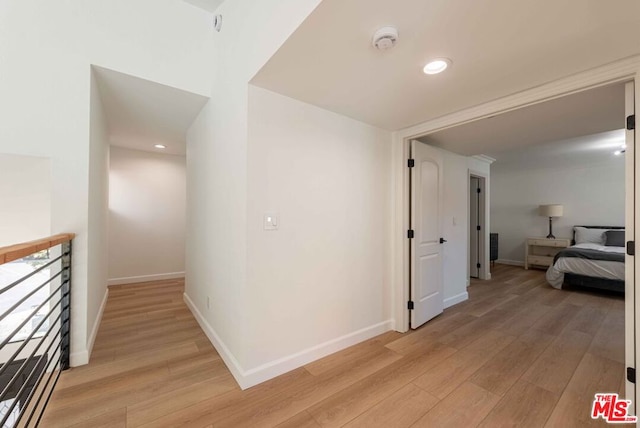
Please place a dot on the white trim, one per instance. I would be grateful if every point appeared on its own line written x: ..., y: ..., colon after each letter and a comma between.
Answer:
x: 81, y: 358
x: 619, y: 71
x: 484, y: 158
x: 510, y: 262
x: 230, y: 361
x: 275, y: 368
x: 145, y: 278
x: 254, y: 376
x: 456, y: 299
x: 632, y: 222
x: 96, y: 324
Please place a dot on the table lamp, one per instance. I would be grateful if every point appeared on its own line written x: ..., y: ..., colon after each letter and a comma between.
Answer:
x: 551, y: 211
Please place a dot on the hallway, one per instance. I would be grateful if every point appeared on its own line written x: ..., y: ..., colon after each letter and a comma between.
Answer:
x: 521, y: 352
x: 150, y: 359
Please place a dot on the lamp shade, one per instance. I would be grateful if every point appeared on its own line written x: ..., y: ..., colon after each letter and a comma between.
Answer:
x: 551, y: 210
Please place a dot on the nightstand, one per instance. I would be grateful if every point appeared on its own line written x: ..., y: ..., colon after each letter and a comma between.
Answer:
x: 540, y: 251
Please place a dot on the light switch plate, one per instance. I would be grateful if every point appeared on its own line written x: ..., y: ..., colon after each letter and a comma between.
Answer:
x: 271, y: 221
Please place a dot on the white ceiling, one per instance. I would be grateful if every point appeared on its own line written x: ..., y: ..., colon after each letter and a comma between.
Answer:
x: 208, y: 5
x: 585, y: 113
x: 498, y: 47
x: 141, y: 113
x: 580, y: 152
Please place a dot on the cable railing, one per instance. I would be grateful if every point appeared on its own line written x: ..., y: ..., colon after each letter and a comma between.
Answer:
x: 35, y: 298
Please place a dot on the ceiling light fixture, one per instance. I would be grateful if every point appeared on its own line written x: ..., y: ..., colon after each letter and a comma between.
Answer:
x: 160, y: 146
x: 436, y: 66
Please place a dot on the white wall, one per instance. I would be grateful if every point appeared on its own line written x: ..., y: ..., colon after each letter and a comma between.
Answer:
x: 591, y: 195
x: 456, y: 209
x: 324, y: 274
x: 45, y: 102
x: 147, y: 204
x: 25, y: 192
x: 96, y: 294
x: 258, y: 285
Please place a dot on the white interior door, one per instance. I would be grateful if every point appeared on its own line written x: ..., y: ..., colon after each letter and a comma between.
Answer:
x: 631, y: 267
x: 426, y: 245
x: 474, y: 222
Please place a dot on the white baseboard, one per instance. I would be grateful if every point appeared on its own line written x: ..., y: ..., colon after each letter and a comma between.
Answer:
x: 145, y: 278
x: 510, y: 262
x: 230, y: 361
x: 82, y: 357
x: 96, y: 324
x: 458, y: 298
x: 251, y: 377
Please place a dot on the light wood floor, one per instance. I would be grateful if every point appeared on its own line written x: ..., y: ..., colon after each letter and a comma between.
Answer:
x: 517, y: 353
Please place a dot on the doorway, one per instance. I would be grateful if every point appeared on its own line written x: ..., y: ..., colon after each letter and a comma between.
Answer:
x: 145, y: 127
x: 471, y: 181
x: 477, y: 226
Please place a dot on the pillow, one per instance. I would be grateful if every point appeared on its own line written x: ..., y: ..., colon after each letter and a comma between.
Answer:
x: 614, y: 238
x: 589, y: 236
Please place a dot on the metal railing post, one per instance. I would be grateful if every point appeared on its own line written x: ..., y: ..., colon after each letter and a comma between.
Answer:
x: 65, y: 343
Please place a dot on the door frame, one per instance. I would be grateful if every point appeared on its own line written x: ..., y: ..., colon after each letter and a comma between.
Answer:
x: 485, y: 270
x: 617, y: 72
x: 632, y: 299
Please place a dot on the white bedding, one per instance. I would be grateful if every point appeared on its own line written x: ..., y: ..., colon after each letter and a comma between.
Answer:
x: 595, y: 268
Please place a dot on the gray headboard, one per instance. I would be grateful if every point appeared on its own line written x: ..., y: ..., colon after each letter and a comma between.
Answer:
x: 573, y: 240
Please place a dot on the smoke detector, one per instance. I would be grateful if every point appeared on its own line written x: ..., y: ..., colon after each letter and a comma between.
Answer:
x: 385, y: 38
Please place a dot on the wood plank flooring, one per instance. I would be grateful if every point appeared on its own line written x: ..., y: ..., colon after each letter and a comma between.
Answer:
x: 517, y: 353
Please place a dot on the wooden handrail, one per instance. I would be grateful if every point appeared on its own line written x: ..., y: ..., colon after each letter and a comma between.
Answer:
x: 18, y: 251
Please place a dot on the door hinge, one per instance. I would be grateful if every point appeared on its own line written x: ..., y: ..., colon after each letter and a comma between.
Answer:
x: 478, y: 265
x: 479, y: 190
x: 631, y: 248
x: 631, y: 374
x: 410, y: 234
x: 410, y: 305
x: 411, y: 163
x: 631, y: 122
x: 478, y: 227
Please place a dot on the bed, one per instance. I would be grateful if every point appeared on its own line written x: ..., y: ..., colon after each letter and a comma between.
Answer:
x: 595, y: 260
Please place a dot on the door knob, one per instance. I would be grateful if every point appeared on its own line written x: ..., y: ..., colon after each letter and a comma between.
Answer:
x: 442, y: 240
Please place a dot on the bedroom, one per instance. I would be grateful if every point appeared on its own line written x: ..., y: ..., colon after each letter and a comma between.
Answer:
x: 580, y: 182
x: 567, y: 151
x: 565, y: 187
x: 566, y: 155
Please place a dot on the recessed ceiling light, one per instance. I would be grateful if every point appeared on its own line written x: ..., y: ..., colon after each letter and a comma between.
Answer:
x: 436, y: 66
x: 160, y: 146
